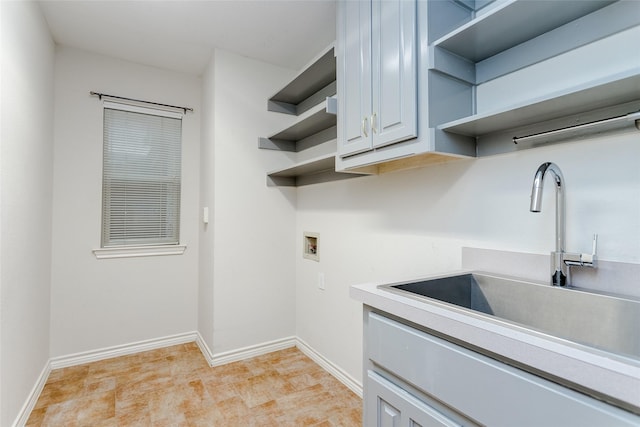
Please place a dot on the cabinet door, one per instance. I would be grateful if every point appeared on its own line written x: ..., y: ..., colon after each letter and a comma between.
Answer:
x: 394, y: 71
x: 387, y: 405
x: 354, y: 77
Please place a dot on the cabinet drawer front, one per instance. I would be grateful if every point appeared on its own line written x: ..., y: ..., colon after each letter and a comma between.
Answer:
x: 389, y: 405
x: 484, y: 389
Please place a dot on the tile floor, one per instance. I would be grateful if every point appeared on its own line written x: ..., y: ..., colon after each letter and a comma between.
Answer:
x: 174, y: 386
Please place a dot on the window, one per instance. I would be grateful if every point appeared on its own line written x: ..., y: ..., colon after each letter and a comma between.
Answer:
x: 141, y: 176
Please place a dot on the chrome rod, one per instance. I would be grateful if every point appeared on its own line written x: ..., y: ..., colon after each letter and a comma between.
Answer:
x: 100, y: 95
x: 631, y: 117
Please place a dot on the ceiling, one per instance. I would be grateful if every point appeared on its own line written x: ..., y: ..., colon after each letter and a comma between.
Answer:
x: 180, y: 34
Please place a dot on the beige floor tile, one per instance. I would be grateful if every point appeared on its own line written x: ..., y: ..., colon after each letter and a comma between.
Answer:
x: 174, y: 386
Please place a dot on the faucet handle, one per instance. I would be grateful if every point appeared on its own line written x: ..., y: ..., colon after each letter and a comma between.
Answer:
x: 582, y: 260
x: 590, y: 259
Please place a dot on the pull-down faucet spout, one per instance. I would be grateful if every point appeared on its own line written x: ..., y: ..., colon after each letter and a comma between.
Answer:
x: 558, y: 268
x: 560, y: 260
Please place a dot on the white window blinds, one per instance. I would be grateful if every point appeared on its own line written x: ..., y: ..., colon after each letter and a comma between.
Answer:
x: 141, y: 176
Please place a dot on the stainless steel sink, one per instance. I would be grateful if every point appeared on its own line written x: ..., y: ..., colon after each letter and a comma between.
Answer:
x: 607, y: 322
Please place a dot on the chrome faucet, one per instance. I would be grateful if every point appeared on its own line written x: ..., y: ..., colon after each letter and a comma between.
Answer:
x: 560, y: 260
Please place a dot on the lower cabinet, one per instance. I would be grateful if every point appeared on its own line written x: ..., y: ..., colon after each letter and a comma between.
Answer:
x: 387, y: 405
x: 416, y: 379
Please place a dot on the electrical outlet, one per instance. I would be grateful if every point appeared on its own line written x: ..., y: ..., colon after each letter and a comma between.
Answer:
x: 321, y: 281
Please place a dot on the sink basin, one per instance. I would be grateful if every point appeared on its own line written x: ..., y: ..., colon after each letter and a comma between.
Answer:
x: 607, y: 322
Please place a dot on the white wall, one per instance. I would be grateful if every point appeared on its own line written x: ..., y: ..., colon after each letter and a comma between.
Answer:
x: 413, y: 223
x: 25, y: 202
x: 103, y: 303
x: 249, y: 273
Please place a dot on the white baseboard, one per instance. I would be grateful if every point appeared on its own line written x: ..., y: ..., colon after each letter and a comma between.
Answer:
x: 281, y: 344
x: 204, y: 349
x: 330, y: 367
x: 251, y: 351
x: 121, y: 350
x: 32, y: 399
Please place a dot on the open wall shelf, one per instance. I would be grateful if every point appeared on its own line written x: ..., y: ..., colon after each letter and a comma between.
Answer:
x: 312, y: 84
x: 512, y: 23
x: 313, y: 122
x: 311, y: 97
x: 613, y: 90
x: 477, y: 65
x: 312, y: 171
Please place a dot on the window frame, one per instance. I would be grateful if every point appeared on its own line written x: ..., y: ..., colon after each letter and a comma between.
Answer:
x: 137, y: 249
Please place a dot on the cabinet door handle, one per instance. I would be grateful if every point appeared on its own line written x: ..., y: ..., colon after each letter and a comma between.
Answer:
x: 374, y: 120
x: 364, y: 128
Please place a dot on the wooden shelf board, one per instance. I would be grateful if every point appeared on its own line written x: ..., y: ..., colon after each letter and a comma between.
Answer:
x: 320, y: 169
x: 311, y: 122
x: 512, y: 23
x: 616, y: 89
x: 320, y: 73
x: 308, y: 167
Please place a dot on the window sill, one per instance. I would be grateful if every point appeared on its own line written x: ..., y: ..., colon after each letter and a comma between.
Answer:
x: 139, y: 251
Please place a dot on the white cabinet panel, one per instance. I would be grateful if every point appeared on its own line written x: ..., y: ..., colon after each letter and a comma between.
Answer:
x: 354, y: 102
x: 394, y: 69
x: 388, y: 416
x: 387, y: 405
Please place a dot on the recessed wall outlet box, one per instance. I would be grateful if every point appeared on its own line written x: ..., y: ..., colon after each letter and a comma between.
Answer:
x: 310, y: 246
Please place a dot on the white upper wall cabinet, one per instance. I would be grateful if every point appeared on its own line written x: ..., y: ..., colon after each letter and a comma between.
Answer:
x: 378, y: 66
x: 382, y: 74
x: 481, y: 73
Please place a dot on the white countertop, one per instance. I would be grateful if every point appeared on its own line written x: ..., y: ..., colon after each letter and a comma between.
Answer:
x: 605, y: 373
